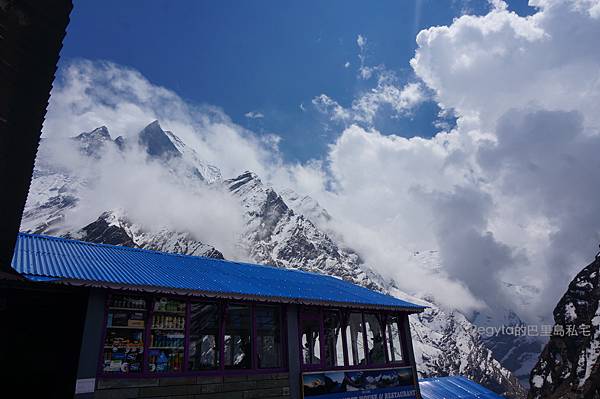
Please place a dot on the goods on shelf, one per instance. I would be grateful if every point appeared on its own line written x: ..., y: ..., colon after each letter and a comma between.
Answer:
x: 168, y: 321
x: 162, y: 361
x: 120, y: 301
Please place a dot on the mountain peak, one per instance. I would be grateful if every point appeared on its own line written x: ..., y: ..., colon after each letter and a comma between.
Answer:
x: 99, y: 133
x: 242, y: 180
x: 248, y: 175
x: 156, y: 142
x: 92, y: 143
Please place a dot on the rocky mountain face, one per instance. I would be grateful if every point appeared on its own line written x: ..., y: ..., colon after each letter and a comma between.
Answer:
x: 276, y: 235
x: 518, y: 352
x: 446, y: 343
x: 115, y: 229
x: 281, y: 230
x: 569, y: 366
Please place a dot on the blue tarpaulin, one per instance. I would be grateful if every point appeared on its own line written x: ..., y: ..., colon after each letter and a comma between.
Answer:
x: 455, y: 387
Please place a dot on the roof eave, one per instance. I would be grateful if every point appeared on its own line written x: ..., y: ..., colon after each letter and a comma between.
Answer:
x: 232, y: 296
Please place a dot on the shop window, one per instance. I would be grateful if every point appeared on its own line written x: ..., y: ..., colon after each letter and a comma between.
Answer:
x: 167, y: 336
x: 355, y: 340
x: 375, y: 347
x: 310, y: 332
x: 204, y: 346
x: 237, y: 341
x: 124, y: 340
x: 268, y: 336
x: 394, y: 343
x: 334, y: 346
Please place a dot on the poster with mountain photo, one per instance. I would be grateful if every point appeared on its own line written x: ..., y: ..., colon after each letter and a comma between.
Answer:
x: 355, y: 384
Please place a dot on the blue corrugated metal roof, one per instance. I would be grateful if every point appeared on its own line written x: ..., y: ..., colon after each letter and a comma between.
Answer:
x: 43, y: 257
x: 455, y: 387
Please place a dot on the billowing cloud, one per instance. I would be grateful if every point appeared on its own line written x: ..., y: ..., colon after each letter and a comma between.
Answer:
x: 91, y: 94
x: 510, y: 194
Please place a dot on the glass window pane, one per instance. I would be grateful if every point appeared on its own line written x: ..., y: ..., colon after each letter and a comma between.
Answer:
x: 167, y: 336
x: 124, y: 341
x: 203, y: 352
x: 354, y: 340
x: 334, y: 349
x: 268, y: 336
x: 238, y: 330
x: 394, y: 349
x: 374, y: 339
x: 309, y: 339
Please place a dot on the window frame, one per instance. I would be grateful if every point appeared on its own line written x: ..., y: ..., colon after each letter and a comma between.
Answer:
x: 345, y: 312
x: 219, y: 332
x: 402, y: 319
x: 222, y: 305
x: 342, y: 318
x: 382, y: 320
x: 317, y: 315
x: 282, y: 338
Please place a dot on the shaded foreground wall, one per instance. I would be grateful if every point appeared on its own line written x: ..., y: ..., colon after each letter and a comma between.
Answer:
x: 272, y: 386
x: 31, y: 35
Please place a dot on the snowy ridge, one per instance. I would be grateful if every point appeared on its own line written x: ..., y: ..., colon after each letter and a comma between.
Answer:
x: 282, y: 230
x: 306, y: 205
x: 210, y: 173
x: 275, y: 235
x: 114, y: 228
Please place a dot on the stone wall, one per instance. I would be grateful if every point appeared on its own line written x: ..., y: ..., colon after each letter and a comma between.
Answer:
x: 271, y: 386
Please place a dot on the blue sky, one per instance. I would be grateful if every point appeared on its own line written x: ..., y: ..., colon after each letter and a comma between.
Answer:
x: 267, y: 57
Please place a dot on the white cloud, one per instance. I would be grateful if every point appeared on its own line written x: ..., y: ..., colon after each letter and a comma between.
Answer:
x: 367, y: 105
x: 364, y: 71
x: 387, y: 93
x: 330, y: 107
x: 91, y: 94
x: 254, y: 115
x: 510, y: 193
x: 499, y: 5
x: 347, y: 64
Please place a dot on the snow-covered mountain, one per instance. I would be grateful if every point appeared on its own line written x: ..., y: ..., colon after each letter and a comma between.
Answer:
x: 112, y: 227
x: 281, y: 230
x: 446, y: 343
x: 569, y: 366
x: 511, y: 345
x: 276, y: 235
x: 502, y: 329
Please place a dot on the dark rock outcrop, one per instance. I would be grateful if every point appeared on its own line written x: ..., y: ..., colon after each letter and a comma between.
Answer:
x: 569, y: 366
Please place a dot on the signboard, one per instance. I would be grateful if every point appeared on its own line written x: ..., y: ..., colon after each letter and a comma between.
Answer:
x: 360, y: 384
x: 85, y: 385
